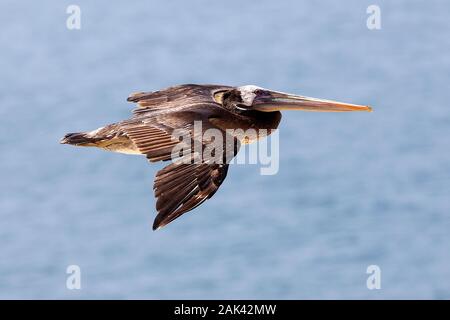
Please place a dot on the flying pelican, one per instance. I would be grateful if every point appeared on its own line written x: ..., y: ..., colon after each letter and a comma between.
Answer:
x: 180, y: 187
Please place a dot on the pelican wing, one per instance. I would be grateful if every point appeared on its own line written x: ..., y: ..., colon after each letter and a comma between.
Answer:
x: 180, y: 188
x: 181, y: 96
x: 182, y: 185
x: 154, y: 136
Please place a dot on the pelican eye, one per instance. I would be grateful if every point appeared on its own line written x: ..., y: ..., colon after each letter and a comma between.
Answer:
x: 218, y: 96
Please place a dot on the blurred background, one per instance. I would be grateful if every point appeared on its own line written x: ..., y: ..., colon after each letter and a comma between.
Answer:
x: 353, y: 189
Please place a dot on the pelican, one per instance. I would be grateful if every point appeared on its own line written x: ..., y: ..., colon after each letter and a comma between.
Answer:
x: 181, y: 186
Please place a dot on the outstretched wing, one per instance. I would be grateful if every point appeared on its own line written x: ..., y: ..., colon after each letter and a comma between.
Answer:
x: 183, y: 185
x: 160, y: 113
x: 154, y: 135
x: 177, y: 97
x: 180, y: 188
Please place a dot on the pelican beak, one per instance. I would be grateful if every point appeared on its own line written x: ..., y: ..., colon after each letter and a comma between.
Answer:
x: 277, y: 101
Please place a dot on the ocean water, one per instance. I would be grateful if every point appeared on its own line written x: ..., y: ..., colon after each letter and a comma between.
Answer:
x: 353, y: 190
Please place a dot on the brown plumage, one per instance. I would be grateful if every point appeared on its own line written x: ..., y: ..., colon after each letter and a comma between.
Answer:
x: 180, y: 187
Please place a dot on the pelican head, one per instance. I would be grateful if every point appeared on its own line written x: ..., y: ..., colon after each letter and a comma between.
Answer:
x: 252, y: 97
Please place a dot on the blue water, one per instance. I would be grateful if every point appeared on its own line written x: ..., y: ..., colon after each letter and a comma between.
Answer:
x: 353, y: 189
